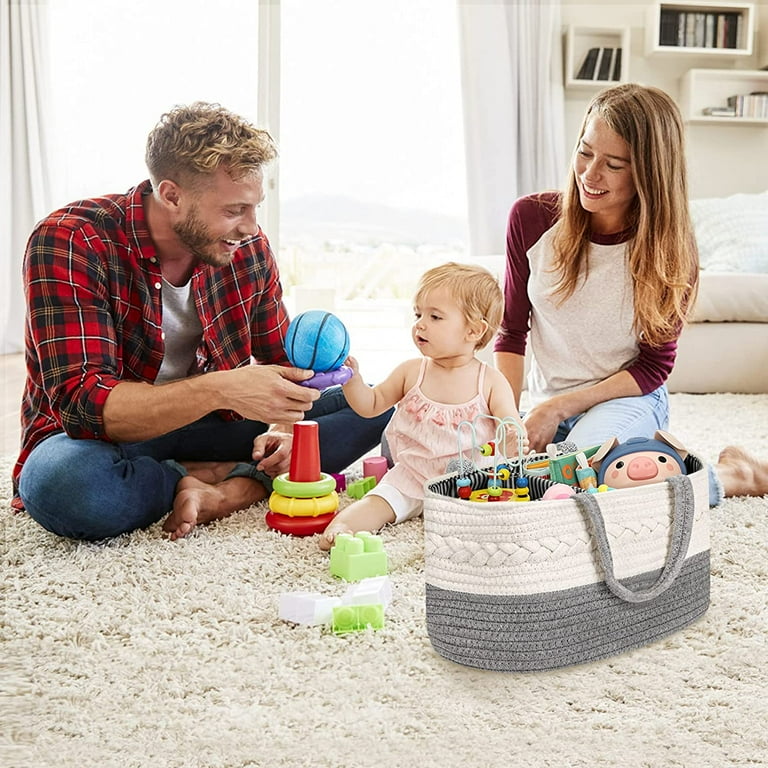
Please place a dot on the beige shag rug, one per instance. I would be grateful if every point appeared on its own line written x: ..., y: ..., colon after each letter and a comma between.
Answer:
x: 156, y: 654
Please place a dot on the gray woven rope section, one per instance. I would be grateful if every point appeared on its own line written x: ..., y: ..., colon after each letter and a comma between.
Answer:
x: 682, y: 524
x: 529, y: 633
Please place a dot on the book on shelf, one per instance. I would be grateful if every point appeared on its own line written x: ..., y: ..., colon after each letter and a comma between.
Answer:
x: 601, y: 64
x: 605, y: 64
x: 616, y: 74
x: 699, y: 29
x: 719, y: 111
x: 749, y: 104
x: 710, y: 25
x: 587, y: 69
x: 668, y: 22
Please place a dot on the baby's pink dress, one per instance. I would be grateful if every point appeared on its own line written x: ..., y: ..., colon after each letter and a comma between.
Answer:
x: 422, y: 435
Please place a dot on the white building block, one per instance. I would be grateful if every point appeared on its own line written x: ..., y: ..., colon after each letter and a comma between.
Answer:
x: 375, y: 589
x: 307, y: 607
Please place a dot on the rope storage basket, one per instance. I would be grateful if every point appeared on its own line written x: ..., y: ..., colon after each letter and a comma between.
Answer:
x: 536, y: 585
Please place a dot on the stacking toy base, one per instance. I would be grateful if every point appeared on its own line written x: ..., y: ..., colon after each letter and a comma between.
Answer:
x: 298, y: 526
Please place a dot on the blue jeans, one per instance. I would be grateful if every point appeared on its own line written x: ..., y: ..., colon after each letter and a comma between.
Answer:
x: 91, y: 489
x: 623, y: 418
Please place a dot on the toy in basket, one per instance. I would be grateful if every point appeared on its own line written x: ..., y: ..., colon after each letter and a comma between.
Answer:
x: 497, y: 480
x: 484, y: 471
x: 534, y: 586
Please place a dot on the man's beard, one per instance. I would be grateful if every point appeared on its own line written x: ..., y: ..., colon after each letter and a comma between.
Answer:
x: 197, y: 238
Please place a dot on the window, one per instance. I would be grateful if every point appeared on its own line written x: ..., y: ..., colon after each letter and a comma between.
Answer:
x: 372, y: 178
x: 116, y: 66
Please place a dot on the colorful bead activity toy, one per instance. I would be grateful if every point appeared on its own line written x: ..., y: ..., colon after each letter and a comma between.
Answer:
x: 318, y: 341
x: 501, y: 471
x: 303, y: 500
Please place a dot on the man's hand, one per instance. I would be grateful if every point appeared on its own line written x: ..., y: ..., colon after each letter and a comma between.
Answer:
x: 267, y: 393
x: 272, y: 450
x: 136, y: 411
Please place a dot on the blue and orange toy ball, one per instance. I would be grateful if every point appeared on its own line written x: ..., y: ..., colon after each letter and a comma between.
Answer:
x: 317, y: 340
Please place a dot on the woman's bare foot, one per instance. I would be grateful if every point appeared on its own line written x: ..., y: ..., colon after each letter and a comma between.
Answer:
x: 197, y: 502
x: 741, y: 473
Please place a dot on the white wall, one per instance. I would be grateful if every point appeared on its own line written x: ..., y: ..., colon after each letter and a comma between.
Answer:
x: 722, y: 160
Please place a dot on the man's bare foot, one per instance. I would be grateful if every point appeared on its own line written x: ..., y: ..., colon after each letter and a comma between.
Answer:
x: 209, y: 471
x: 197, y: 502
x: 741, y: 473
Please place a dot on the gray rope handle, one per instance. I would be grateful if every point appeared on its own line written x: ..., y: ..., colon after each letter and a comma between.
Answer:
x: 682, y: 526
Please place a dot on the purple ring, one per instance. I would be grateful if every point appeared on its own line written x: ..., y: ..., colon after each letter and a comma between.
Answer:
x: 327, y: 379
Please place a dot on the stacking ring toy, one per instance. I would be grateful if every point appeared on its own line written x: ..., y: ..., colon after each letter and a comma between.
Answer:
x: 303, y: 489
x: 297, y: 507
x: 298, y: 526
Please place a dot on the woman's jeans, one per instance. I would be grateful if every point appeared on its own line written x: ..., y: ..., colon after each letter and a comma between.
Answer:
x: 623, y: 418
x: 91, y: 489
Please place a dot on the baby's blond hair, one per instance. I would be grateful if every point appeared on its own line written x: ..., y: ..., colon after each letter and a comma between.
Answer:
x: 474, y: 289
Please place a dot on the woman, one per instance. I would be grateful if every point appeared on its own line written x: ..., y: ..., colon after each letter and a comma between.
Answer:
x: 603, y: 275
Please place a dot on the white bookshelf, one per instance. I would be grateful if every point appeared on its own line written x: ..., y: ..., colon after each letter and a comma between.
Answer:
x: 701, y: 88
x: 702, y: 26
x: 578, y: 42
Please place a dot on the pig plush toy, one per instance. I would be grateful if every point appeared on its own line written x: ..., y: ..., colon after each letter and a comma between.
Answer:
x: 639, y: 460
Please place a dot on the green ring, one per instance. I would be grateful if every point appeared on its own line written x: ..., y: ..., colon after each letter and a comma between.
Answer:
x: 296, y: 490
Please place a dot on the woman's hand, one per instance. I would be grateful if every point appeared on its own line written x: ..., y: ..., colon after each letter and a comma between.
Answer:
x: 541, y: 423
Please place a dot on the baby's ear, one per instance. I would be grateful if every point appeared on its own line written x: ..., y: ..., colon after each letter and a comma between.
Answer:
x: 476, y: 330
x: 672, y: 442
x: 602, y: 452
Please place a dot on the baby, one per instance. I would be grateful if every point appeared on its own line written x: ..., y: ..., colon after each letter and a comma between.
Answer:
x: 457, y: 309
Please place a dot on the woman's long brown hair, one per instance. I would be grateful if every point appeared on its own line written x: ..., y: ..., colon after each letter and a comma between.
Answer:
x: 663, y: 261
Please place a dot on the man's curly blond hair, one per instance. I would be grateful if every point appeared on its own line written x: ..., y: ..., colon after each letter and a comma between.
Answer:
x: 190, y: 142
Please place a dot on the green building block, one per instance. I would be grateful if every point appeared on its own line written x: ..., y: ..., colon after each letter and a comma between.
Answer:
x: 357, y: 557
x: 356, y: 618
x: 359, y: 488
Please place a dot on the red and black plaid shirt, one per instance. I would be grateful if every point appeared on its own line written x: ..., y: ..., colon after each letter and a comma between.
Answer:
x: 92, y: 283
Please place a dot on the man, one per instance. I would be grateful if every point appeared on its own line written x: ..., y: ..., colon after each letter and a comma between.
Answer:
x: 157, y: 383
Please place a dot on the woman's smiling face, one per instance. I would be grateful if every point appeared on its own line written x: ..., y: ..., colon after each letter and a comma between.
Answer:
x: 603, y: 169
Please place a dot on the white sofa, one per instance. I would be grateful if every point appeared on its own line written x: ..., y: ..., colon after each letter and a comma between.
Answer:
x: 724, y: 348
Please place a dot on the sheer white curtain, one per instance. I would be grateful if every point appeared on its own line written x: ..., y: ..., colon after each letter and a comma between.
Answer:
x: 512, y: 85
x: 24, y: 185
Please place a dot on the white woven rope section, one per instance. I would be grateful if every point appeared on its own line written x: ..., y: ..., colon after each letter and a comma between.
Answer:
x: 526, y: 548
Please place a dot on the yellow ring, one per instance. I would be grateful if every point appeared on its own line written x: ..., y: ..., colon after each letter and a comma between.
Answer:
x: 293, y: 507
x: 300, y: 490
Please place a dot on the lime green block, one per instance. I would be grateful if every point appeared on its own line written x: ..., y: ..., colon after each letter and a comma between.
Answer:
x: 358, y: 557
x: 356, y: 618
x: 359, y: 488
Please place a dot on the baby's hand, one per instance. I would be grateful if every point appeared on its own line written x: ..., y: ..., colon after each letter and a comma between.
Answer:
x: 352, y: 363
x: 511, y: 442
x: 328, y: 536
